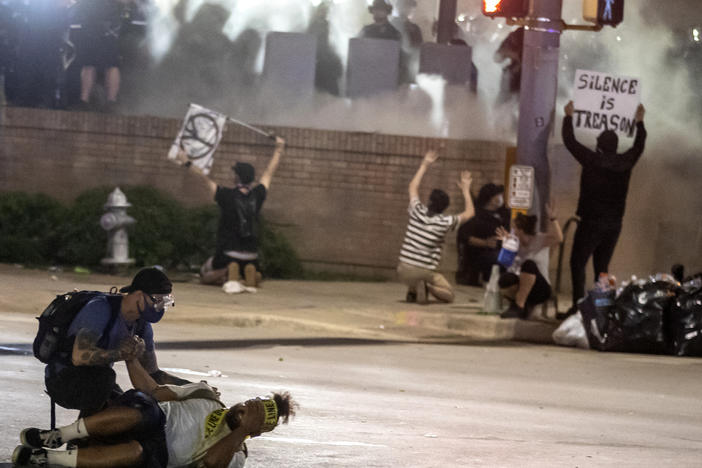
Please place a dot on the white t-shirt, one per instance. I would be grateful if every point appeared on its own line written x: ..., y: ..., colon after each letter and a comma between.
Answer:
x: 186, y: 430
x: 537, y: 251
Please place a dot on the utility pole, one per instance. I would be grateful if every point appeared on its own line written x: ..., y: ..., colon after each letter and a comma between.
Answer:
x: 543, y: 26
x: 537, y: 95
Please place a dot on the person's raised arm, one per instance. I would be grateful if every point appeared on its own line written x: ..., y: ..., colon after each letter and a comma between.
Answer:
x: 580, y: 152
x: 429, y: 158
x: 464, y: 185
x: 273, y: 164
x: 554, y: 234
x: 183, y: 161
x: 628, y: 159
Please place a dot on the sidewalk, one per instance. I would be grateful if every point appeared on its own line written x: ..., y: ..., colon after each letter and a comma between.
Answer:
x: 340, y: 309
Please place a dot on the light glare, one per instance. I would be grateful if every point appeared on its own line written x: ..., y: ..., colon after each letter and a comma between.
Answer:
x: 491, y: 6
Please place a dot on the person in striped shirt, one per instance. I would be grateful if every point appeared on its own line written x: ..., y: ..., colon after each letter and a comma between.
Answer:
x: 427, y: 227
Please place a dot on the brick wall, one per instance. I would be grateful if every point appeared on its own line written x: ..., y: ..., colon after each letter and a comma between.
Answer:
x: 340, y: 197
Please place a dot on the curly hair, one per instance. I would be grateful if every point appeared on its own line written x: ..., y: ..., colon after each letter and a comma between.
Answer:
x: 287, y: 407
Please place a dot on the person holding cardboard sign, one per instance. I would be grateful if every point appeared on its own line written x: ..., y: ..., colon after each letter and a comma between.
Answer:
x: 604, y: 184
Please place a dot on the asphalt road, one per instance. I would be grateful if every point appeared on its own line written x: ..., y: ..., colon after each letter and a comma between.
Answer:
x: 374, y: 403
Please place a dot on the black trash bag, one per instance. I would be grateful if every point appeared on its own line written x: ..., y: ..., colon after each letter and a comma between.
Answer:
x: 635, y: 323
x: 685, y: 324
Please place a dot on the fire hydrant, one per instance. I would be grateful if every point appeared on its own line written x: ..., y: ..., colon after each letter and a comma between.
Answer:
x: 115, y: 222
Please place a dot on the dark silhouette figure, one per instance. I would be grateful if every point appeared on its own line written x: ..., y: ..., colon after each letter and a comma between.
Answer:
x: 604, y: 184
x: 329, y: 67
x: 381, y: 27
x: 511, y: 50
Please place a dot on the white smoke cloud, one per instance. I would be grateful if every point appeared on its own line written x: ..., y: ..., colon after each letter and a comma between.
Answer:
x: 644, y: 45
x: 408, y: 111
x: 636, y: 48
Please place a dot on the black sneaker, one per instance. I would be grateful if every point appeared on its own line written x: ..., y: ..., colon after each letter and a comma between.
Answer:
x: 27, y: 456
x: 36, y: 438
x: 411, y: 296
x: 514, y: 311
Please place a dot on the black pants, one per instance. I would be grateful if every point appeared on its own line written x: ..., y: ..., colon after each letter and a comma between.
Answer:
x: 85, y: 388
x: 149, y: 432
x: 596, y: 239
x: 477, y: 262
x: 541, y: 290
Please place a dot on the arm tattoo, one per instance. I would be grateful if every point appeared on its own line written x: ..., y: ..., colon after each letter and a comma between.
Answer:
x: 89, y: 352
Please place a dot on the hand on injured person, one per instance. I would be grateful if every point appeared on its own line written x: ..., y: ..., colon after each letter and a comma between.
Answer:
x: 131, y: 348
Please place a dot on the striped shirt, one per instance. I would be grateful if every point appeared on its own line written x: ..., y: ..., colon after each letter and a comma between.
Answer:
x: 425, y: 236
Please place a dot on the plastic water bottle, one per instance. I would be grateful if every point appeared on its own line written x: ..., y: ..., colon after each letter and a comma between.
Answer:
x: 508, y: 252
x: 604, y: 291
x: 492, y: 302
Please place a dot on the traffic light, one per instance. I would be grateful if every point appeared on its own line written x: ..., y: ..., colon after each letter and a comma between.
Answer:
x: 609, y: 12
x: 506, y: 8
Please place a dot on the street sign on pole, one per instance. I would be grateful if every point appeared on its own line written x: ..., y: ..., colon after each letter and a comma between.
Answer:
x: 521, y: 187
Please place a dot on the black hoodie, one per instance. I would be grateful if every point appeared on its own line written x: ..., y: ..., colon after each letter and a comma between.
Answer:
x: 604, y: 181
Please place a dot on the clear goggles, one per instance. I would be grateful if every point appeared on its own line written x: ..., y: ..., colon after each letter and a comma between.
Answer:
x: 162, y: 301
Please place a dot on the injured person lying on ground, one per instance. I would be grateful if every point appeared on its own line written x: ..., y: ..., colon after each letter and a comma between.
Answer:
x: 157, y: 426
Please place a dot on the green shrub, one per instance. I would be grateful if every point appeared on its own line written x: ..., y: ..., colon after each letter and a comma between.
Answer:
x: 28, y: 227
x: 157, y: 238
x: 36, y: 229
x: 200, y: 227
x: 82, y: 240
x: 277, y: 256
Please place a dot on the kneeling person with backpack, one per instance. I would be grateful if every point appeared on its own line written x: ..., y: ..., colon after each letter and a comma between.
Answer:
x: 82, y: 334
x: 236, y: 254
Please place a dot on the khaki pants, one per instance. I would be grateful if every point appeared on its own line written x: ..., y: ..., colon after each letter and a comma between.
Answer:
x: 437, y: 285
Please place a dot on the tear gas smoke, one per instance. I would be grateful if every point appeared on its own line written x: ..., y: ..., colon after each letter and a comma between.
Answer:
x: 182, y: 37
x: 637, y: 47
x: 434, y: 86
x: 213, y: 61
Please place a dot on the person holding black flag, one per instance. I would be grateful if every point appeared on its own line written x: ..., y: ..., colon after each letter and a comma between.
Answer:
x: 236, y: 254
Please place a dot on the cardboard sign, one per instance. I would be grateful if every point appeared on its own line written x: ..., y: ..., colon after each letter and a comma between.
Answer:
x: 290, y: 60
x: 604, y: 101
x: 521, y: 187
x: 199, y: 136
x: 451, y: 62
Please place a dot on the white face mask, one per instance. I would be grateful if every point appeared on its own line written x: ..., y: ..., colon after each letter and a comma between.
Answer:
x: 500, y: 200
